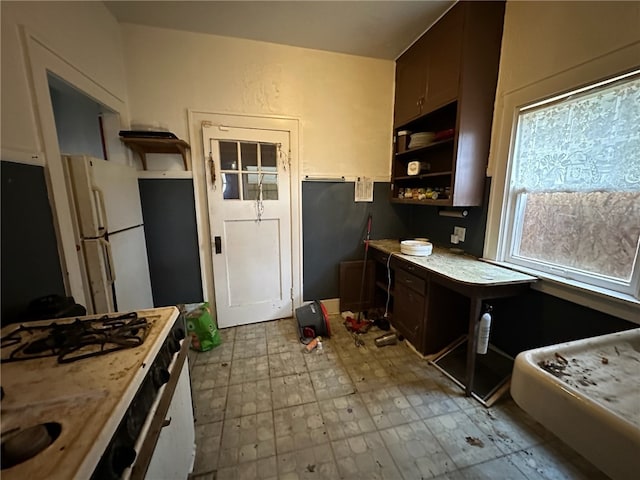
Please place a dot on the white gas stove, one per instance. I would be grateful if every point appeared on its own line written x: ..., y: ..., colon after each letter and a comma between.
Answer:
x: 97, y: 397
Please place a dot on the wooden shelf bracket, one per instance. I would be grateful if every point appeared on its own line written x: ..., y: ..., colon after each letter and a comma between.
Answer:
x: 142, y: 146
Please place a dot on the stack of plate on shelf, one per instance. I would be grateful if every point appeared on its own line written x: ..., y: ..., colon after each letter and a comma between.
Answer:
x: 417, y: 248
x: 421, y: 139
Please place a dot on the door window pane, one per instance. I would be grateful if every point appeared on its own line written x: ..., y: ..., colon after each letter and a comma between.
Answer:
x: 230, y: 187
x: 268, y: 157
x: 250, y: 186
x: 228, y: 156
x: 269, y: 187
x: 249, y: 156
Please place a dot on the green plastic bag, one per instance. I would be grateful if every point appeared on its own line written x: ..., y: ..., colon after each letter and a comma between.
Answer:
x: 202, y: 329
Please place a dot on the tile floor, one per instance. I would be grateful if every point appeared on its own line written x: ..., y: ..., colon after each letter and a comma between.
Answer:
x: 265, y: 410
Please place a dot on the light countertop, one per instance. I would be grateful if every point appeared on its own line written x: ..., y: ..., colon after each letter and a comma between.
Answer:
x: 458, y: 267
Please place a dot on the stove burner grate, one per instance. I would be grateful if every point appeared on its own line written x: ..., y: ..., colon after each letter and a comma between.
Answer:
x: 76, y: 340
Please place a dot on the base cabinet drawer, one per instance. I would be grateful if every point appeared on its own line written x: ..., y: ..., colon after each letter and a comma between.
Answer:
x: 409, y: 280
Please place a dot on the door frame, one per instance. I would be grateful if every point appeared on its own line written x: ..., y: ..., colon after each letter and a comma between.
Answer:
x: 198, y: 156
x: 40, y: 60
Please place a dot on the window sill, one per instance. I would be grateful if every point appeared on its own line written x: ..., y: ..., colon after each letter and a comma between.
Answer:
x: 614, y: 303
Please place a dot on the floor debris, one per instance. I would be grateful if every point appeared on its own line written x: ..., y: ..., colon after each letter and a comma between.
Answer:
x: 474, y: 442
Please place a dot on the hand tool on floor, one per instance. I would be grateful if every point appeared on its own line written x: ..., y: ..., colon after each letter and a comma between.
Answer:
x: 358, y: 341
x: 356, y: 325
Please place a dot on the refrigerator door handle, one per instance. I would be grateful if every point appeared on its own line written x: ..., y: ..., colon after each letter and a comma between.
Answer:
x: 111, y: 274
x: 102, y: 213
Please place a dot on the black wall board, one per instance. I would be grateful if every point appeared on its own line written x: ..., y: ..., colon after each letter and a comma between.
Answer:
x: 30, y: 260
x: 536, y: 319
x: 427, y: 223
x: 334, y: 227
x: 168, y: 209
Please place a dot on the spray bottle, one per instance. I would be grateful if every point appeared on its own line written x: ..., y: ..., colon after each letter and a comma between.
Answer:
x: 484, y: 330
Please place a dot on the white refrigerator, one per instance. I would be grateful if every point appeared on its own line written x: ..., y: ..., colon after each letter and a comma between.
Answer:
x: 110, y: 234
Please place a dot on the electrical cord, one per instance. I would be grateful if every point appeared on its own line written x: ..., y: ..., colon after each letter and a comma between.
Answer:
x: 386, y: 307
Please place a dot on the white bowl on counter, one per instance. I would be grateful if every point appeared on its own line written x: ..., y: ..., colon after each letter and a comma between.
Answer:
x: 417, y: 248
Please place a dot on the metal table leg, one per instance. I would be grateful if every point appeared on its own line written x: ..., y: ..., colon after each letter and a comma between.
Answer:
x: 472, y: 342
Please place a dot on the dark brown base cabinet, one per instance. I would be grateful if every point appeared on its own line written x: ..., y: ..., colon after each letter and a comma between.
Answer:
x: 428, y: 315
x: 445, y: 84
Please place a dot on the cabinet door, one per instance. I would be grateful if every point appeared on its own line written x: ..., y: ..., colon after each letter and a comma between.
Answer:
x: 444, y: 41
x: 408, y: 315
x: 355, y: 295
x: 411, y: 80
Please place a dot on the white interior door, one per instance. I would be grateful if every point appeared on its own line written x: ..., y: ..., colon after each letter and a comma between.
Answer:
x: 248, y: 190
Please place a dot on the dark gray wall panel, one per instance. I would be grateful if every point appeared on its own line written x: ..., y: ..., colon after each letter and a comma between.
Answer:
x: 168, y: 209
x: 334, y: 227
x: 536, y: 319
x: 30, y: 260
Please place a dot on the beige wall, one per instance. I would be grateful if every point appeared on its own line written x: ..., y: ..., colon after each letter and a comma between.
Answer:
x: 542, y: 39
x: 344, y: 102
x: 85, y: 34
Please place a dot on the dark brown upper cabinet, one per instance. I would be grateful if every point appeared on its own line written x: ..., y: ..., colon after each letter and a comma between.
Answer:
x: 445, y: 84
x: 427, y: 74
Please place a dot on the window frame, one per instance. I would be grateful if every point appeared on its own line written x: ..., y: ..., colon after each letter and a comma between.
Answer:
x: 517, y: 204
x: 499, y: 229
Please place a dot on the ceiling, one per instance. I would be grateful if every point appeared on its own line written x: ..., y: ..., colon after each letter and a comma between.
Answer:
x: 379, y: 29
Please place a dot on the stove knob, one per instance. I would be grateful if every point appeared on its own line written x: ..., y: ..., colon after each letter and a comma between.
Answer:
x: 122, y: 458
x: 178, y: 333
x: 173, y: 345
x: 160, y: 376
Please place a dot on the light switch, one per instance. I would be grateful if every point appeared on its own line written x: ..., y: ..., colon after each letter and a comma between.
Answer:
x: 460, y: 232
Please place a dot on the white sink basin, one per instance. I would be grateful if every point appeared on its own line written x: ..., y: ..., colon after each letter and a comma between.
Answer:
x: 587, y: 392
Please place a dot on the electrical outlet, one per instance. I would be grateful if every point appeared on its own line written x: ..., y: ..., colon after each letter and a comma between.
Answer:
x: 460, y: 232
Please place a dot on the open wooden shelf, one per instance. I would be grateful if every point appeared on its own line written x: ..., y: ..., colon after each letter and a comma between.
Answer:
x: 142, y: 146
x: 424, y: 175
x: 384, y: 287
x: 445, y: 202
x: 415, y: 151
